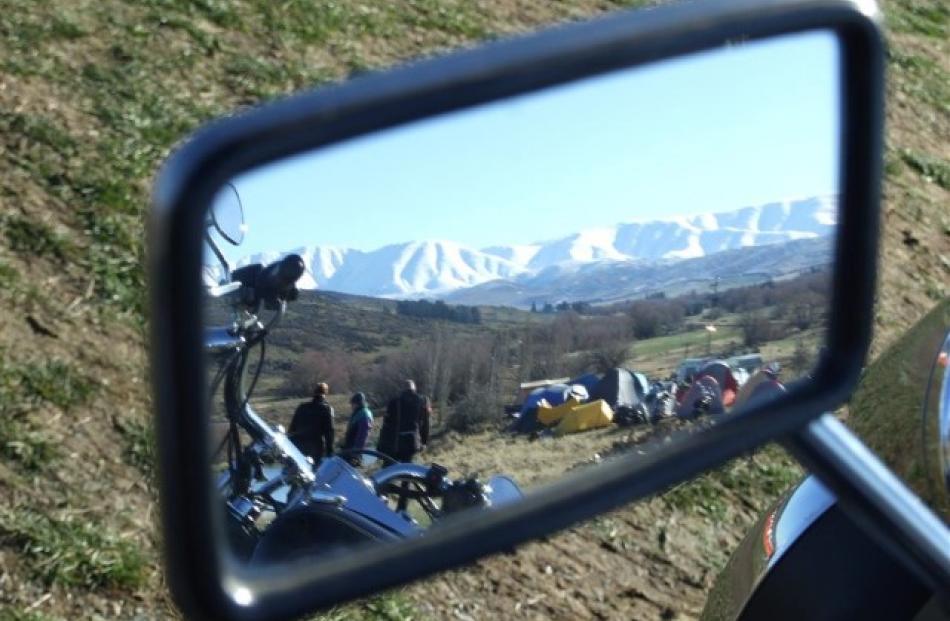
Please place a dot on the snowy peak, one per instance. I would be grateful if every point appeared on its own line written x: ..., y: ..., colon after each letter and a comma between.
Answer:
x: 425, y: 267
x: 439, y: 267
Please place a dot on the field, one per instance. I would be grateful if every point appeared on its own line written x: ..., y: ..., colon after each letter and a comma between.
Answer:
x: 93, y: 96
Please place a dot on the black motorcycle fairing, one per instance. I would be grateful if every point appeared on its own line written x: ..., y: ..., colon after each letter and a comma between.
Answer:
x: 805, y: 559
x: 835, y: 571
x: 831, y: 570
x: 887, y: 409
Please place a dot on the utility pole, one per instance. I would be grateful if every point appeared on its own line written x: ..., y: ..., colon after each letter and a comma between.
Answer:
x: 709, y: 332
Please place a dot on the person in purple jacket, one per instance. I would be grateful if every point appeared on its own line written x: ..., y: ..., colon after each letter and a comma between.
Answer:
x: 358, y: 427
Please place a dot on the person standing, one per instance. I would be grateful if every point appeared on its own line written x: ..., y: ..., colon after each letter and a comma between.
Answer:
x: 359, y: 425
x: 405, y: 429
x: 311, y: 428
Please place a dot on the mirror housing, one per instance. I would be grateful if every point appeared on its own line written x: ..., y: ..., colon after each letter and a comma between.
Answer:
x: 204, y: 583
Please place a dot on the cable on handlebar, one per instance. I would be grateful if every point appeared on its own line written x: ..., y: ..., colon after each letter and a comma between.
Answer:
x: 389, y: 461
x: 257, y: 375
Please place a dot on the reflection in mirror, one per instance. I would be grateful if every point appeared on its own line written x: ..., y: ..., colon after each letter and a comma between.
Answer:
x: 936, y: 431
x: 227, y: 215
x: 447, y: 314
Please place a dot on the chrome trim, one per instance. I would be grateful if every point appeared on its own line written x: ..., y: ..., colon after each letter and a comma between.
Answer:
x: 943, y: 425
x: 221, y: 341
x: 326, y: 497
x: 399, y: 470
x: 806, y: 504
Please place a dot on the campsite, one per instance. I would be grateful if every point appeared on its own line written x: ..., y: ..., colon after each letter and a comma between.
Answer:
x: 501, y: 388
x: 653, y: 560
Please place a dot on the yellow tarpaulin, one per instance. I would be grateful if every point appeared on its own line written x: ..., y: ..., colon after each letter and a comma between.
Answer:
x: 585, y: 416
x: 548, y: 415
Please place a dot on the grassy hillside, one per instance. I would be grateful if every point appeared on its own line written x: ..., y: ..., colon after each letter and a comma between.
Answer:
x: 94, y: 93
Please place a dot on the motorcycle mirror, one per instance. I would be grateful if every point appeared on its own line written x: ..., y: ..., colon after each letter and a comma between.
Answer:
x: 227, y: 215
x: 936, y: 430
x: 684, y: 198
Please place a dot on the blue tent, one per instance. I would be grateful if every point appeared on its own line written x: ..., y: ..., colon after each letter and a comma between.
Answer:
x: 641, y: 383
x: 588, y: 381
x: 555, y: 394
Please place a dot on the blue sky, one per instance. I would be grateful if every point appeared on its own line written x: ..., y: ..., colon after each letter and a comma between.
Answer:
x: 718, y: 131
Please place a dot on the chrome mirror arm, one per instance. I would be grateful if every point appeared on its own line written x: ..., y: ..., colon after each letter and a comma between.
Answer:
x: 876, y: 499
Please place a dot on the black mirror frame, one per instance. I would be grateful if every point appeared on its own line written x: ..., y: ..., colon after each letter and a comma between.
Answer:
x: 203, y: 582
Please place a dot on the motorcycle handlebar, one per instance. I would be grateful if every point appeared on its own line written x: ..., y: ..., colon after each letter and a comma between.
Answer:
x: 279, y: 277
x: 270, y: 283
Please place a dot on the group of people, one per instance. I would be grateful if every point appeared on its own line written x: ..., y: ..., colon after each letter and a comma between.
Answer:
x: 404, y: 432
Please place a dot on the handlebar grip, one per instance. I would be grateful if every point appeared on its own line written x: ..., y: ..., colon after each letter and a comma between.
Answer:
x: 279, y: 277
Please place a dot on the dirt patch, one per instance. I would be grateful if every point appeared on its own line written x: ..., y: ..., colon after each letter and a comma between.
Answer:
x: 652, y: 560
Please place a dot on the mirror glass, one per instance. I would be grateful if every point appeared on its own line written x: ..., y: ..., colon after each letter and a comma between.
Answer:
x: 936, y: 431
x: 438, y: 318
x: 227, y: 215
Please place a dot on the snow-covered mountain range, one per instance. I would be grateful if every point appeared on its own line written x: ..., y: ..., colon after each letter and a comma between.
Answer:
x: 436, y: 268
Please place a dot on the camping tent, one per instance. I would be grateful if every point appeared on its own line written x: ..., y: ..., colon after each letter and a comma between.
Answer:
x: 722, y: 373
x: 526, y: 422
x: 766, y: 391
x: 641, y: 383
x: 588, y: 381
x: 741, y: 375
x: 760, y: 385
x: 703, y: 396
x: 585, y: 416
x: 555, y: 394
x: 620, y: 388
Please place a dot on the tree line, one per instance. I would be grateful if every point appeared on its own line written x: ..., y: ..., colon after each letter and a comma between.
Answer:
x: 471, y: 377
x: 438, y: 309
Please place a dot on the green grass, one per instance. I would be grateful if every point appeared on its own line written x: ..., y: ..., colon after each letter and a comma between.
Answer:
x: 25, y: 445
x: 9, y: 276
x: 39, y: 130
x: 392, y: 606
x: 767, y: 475
x: 70, y: 552
x: 34, y: 239
x: 139, y: 446
x: 24, y: 387
x: 51, y: 381
x: 930, y: 18
x: 929, y: 167
x: 677, y: 343
x: 922, y: 79
x: 13, y: 614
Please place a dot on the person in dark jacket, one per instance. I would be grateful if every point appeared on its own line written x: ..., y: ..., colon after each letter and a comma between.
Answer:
x: 311, y: 429
x: 405, y: 428
x: 358, y: 427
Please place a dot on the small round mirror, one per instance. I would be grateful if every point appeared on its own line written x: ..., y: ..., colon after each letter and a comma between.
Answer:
x: 227, y: 215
